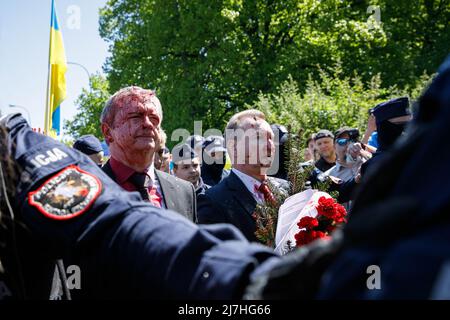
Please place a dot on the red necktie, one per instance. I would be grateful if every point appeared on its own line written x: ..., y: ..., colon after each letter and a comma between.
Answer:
x: 155, y: 197
x: 150, y: 194
x: 268, y: 195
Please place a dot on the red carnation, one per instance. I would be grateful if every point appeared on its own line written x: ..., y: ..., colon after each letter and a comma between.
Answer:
x: 308, y: 223
x: 340, y: 213
x: 326, y: 207
x: 329, y: 215
x: 318, y: 234
x: 303, y: 237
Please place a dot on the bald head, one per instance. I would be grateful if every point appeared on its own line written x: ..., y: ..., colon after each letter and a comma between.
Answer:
x: 249, y: 140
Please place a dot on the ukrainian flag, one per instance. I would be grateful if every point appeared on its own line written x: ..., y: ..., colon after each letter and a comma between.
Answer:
x: 56, y: 86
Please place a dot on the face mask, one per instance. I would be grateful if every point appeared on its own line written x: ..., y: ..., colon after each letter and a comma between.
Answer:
x: 388, y: 133
x: 213, y: 166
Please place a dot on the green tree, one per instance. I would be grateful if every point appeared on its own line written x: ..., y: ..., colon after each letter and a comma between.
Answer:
x: 90, y: 105
x: 417, y: 41
x: 331, y: 102
x: 208, y: 59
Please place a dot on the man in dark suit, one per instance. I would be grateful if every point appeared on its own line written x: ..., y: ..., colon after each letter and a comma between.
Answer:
x: 250, y: 145
x: 131, y: 122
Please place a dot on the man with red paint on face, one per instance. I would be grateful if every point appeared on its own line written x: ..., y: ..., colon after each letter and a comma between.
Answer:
x: 130, y: 123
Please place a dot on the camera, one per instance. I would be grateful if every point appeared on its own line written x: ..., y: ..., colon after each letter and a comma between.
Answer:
x: 353, y: 134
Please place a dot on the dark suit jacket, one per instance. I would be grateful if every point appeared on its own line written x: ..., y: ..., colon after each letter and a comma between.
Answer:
x: 178, y: 195
x: 230, y: 202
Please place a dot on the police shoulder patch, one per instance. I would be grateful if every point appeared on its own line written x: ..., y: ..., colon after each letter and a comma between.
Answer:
x: 67, y: 194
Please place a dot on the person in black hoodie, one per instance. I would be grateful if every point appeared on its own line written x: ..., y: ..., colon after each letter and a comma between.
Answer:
x: 213, y: 160
x: 281, y: 159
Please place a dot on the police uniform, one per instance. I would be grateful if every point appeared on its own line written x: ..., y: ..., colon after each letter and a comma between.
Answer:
x: 65, y: 206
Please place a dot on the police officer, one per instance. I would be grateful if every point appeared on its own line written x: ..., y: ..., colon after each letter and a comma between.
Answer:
x: 391, y: 118
x: 91, y: 146
x: 63, y: 204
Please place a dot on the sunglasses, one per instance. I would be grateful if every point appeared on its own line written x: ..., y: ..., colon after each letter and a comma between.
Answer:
x: 342, y: 141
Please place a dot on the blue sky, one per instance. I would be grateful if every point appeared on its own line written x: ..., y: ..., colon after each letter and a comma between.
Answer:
x: 24, y: 41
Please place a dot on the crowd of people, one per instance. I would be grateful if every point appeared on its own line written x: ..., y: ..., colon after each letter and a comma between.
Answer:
x: 200, y: 161
x: 177, y: 224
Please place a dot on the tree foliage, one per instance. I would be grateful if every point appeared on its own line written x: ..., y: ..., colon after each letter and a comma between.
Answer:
x: 90, y: 105
x: 331, y: 102
x: 207, y: 59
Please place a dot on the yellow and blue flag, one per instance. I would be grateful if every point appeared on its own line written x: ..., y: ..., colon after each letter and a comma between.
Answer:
x: 56, y: 91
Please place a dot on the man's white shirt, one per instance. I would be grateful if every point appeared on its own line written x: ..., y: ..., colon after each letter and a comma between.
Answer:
x: 250, y: 183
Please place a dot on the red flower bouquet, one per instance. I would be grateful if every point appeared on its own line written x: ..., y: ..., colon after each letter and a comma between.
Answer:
x: 329, y: 215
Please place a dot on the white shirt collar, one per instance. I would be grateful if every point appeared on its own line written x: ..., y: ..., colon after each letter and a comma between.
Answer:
x: 151, y: 172
x: 250, y: 184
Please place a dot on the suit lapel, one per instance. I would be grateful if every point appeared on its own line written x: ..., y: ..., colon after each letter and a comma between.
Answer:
x: 241, y: 193
x: 166, y: 190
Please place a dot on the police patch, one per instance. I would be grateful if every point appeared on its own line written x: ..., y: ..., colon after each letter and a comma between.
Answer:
x: 67, y: 194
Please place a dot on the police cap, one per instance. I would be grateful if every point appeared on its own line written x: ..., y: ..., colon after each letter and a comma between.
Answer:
x: 391, y: 109
x: 88, y: 144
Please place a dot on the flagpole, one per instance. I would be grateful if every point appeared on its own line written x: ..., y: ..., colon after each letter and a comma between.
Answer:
x: 47, y: 105
x: 47, y: 97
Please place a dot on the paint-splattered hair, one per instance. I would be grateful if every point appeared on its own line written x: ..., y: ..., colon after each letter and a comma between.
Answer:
x: 125, y: 96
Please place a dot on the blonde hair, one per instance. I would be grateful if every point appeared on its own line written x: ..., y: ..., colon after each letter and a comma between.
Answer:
x: 237, y: 119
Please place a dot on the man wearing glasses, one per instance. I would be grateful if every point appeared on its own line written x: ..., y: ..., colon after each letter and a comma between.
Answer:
x: 350, y: 154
